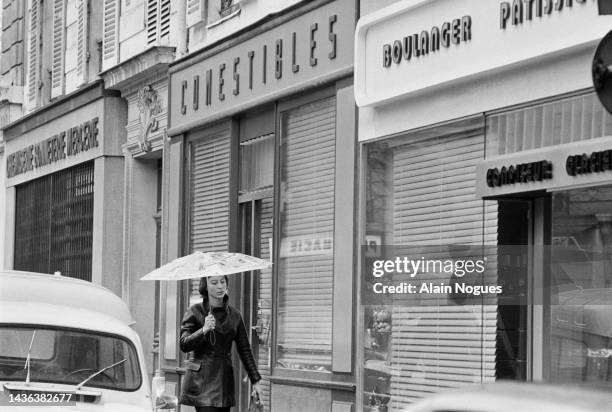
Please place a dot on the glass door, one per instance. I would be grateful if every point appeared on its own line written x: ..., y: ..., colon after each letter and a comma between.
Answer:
x: 514, y: 238
x: 256, y: 302
x: 579, y: 324
x: 256, y: 212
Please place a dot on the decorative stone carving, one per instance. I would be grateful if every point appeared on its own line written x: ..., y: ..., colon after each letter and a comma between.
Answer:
x: 149, y: 105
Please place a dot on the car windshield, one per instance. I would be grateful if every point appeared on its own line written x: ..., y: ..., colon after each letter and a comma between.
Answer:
x: 68, y: 356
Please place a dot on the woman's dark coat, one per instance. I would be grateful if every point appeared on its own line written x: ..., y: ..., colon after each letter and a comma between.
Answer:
x: 209, y: 380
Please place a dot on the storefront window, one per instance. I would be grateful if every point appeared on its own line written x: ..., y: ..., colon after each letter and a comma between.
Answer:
x: 54, y: 223
x: 581, y: 286
x: 305, y: 264
x: 421, y: 203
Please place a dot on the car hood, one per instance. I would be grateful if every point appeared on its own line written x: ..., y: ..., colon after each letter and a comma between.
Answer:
x: 114, y: 407
x: 105, y: 400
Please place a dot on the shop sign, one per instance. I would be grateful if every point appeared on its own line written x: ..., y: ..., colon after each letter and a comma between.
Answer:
x: 421, y: 44
x: 307, y: 49
x: 584, y: 164
x: 70, y: 142
x: 412, y: 47
x: 521, y: 11
x: 307, y: 245
x: 519, y: 173
x: 574, y: 164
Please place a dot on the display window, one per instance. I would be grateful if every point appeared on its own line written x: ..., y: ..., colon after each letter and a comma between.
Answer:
x: 546, y: 253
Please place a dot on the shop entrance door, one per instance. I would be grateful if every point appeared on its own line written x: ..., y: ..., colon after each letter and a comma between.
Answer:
x: 515, y: 239
x: 256, y: 234
x: 523, y: 248
x: 255, y: 214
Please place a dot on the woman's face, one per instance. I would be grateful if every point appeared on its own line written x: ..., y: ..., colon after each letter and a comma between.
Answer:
x: 217, y: 286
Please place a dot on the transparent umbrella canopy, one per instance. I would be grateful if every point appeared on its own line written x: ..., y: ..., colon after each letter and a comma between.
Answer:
x: 206, y: 264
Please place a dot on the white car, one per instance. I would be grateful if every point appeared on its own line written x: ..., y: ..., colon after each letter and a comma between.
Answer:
x: 68, y: 342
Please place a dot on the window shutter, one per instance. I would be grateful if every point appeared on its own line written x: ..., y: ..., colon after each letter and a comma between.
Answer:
x: 152, y: 19
x: 210, y: 159
x: 33, y: 74
x: 82, y: 46
x: 442, y: 345
x: 110, y: 36
x: 195, y: 11
x: 164, y: 22
x: 12, y: 58
x: 59, y: 39
x: 307, y: 225
x: 158, y: 21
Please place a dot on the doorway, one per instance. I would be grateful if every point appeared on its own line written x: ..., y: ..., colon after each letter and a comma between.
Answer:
x: 255, y: 224
x: 514, y: 239
x: 256, y: 303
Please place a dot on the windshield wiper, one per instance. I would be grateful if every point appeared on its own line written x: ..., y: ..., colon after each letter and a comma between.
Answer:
x: 80, y: 385
x: 27, y: 362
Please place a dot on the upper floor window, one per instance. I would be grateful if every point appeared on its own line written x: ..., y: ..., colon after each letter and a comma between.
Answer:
x: 70, y: 46
x: 131, y: 26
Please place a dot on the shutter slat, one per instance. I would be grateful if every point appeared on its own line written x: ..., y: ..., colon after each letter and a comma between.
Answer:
x: 110, y: 34
x: 164, y: 23
x: 59, y: 46
x: 33, y: 55
x: 82, y: 44
x: 152, y: 21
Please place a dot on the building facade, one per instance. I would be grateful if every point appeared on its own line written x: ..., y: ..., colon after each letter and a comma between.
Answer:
x: 83, y: 158
x: 261, y: 159
x: 61, y: 137
x: 481, y: 134
x: 139, y: 39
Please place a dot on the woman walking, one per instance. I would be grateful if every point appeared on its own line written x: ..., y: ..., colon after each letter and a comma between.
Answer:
x: 207, y: 331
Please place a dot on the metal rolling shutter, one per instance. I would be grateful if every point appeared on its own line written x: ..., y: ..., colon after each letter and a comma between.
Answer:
x: 210, y: 159
x: 433, y: 347
x: 54, y: 223
x: 265, y: 298
x: 307, y: 214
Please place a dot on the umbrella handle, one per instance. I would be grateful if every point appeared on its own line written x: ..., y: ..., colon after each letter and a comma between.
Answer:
x: 212, y: 338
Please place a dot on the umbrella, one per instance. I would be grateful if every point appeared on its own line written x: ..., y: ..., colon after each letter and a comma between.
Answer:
x: 206, y: 264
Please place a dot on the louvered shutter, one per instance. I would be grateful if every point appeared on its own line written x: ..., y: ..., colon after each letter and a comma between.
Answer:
x: 434, y: 347
x: 195, y: 12
x: 164, y: 21
x: 59, y: 47
x: 82, y: 45
x: 307, y: 224
x: 33, y: 56
x: 210, y: 159
x: 110, y: 34
x: 265, y: 299
x: 158, y: 21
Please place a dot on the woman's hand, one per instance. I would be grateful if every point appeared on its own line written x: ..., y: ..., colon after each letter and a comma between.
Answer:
x: 257, y: 390
x: 209, y: 323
